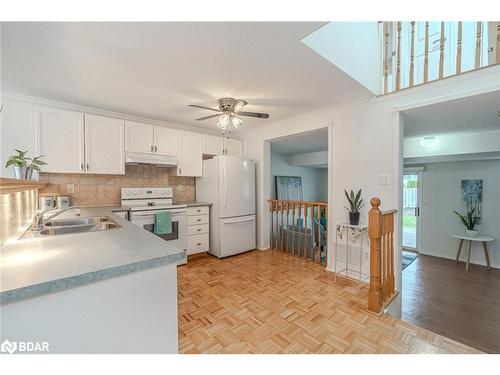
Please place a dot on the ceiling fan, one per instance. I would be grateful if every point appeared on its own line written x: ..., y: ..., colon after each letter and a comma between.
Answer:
x: 229, y: 112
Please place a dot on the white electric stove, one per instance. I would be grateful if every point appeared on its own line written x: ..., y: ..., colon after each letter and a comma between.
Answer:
x: 145, y: 202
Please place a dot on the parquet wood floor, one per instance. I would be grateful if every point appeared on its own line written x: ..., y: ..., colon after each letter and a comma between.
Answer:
x: 267, y: 302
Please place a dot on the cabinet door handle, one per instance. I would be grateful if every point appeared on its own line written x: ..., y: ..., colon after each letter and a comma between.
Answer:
x: 152, y: 148
x: 199, y: 230
x: 88, y: 166
x: 81, y: 166
x: 180, y: 171
x: 199, y: 219
x: 156, y: 148
x: 199, y: 243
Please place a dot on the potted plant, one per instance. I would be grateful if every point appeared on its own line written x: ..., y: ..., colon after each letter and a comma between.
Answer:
x: 355, y: 204
x: 24, y: 166
x: 470, y: 220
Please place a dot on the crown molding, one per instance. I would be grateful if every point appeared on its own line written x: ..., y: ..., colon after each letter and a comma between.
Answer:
x: 104, y: 112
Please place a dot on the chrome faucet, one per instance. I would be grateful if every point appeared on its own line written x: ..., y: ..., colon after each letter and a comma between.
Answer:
x: 39, y: 222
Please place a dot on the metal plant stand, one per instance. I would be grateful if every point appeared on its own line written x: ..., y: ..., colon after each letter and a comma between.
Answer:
x: 352, y: 235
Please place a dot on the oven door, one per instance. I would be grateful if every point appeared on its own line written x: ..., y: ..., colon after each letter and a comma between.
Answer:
x: 146, y: 220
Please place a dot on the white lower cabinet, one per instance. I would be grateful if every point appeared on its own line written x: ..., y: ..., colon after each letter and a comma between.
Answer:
x: 198, y: 229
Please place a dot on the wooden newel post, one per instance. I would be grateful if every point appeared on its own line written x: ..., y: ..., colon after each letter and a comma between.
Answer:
x: 375, y: 234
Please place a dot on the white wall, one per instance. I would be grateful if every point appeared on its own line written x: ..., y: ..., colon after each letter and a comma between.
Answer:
x: 365, y: 141
x: 314, y: 180
x: 441, y: 193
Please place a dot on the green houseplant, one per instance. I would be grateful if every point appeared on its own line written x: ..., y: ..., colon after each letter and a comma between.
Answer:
x: 355, y: 204
x: 24, y: 166
x: 470, y: 220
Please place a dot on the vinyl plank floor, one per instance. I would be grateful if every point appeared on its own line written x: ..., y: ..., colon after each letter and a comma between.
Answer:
x: 439, y: 295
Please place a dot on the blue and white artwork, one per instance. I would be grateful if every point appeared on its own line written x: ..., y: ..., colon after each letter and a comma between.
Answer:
x: 472, y: 195
x: 289, y: 188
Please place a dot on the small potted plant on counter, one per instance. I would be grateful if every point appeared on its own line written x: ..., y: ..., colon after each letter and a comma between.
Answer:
x: 24, y: 166
x: 355, y: 204
x: 470, y: 220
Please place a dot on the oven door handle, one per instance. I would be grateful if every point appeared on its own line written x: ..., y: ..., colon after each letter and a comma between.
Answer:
x: 143, y: 214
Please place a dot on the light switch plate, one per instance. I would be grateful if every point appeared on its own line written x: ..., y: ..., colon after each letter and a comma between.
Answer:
x: 70, y: 188
x: 383, y: 179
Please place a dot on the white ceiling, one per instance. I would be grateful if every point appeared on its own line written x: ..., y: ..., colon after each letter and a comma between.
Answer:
x: 157, y: 69
x: 312, y: 141
x: 471, y: 114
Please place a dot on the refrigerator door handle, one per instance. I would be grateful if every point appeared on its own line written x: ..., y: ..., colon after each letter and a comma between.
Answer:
x: 242, y: 220
x: 225, y: 183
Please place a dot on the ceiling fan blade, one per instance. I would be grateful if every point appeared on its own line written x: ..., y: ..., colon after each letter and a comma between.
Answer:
x: 253, y: 114
x: 207, y: 117
x: 202, y: 107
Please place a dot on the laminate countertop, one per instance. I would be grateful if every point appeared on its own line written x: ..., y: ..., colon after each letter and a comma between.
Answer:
x: 36, y: 266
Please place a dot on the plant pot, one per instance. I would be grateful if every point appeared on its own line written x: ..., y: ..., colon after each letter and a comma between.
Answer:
x: 354, y: 218
x: 471, y: 233
x: 23, y: 173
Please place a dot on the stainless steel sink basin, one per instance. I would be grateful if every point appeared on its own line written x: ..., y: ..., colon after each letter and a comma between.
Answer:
x: 97, y: 227
x: 78, y: 221
x: 73, y: 225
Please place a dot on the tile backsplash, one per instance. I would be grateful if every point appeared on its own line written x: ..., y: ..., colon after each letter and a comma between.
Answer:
x: 97, y: 189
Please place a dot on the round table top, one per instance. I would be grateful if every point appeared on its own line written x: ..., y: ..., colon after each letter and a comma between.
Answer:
x: 479, y: 237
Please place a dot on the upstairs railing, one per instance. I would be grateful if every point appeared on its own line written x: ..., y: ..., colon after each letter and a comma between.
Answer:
x: 381, y: 232
x: 298, y: 228
x: 415, y: 53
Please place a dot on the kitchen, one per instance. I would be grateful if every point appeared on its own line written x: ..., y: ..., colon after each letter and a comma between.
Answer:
x: 112, y: 175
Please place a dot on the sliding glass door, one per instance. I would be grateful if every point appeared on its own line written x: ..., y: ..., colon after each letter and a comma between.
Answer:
x: 411, y: 210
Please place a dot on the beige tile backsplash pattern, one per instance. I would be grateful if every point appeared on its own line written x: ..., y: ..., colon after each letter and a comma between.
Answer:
x: 95, y: 189
x: 16, y: 212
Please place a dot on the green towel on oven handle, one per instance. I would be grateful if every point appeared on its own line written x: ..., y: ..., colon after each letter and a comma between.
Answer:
x: 163, y: 222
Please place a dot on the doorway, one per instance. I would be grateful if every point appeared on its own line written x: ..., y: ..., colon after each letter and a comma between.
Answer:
x: 412, y: 195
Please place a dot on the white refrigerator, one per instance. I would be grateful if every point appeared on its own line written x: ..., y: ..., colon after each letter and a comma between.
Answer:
x: 228, y: 183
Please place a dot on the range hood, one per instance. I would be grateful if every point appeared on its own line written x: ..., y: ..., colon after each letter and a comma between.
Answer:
x: 139, y: 158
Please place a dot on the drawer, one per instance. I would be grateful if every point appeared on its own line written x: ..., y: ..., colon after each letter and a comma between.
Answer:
x: 197, y: 220
x: 197, y: 243
x: 197, y: 229
x: 201, y: 210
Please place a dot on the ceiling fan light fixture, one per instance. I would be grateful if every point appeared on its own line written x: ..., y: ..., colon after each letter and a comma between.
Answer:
x: 236, y: 121
x: 238, y: 105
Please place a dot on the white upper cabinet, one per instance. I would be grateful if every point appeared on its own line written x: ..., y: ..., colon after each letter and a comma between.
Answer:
x: 212, y: 145
x: 150, y: 139
x: 139, y: 137
x: 61, y: 140
x: 190, y: 157
x: 233, y: 147
x: 76, y: 143
x: 165, y: 140
x: 104, y: 145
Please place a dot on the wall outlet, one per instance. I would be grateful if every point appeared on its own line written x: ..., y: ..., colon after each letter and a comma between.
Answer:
x: 70, y: 188
x: 383, y: 179
x: 180, y: 187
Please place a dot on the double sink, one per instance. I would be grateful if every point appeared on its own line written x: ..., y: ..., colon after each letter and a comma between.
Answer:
x: 73, y: 225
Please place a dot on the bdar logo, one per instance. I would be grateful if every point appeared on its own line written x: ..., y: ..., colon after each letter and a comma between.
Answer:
x: 8, y: 347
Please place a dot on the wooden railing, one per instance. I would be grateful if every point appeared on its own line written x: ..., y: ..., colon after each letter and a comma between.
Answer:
x: 407, y: 49
x: 298, y: 228
x: 381, y: 233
